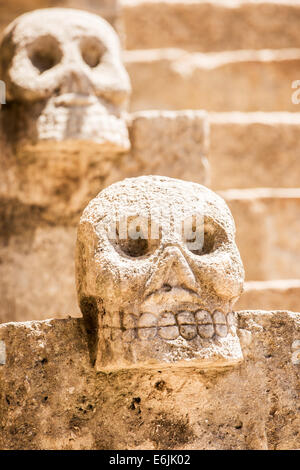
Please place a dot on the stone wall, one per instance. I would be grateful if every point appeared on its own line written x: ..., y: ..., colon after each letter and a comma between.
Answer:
x: 150, y: 24
x: 254, y: 150
x: 217, y: 81
x: 271, y: 294
x: 268, y: 223
x: 240, y: 72
x: 39, y: 223
x: 52, y: 398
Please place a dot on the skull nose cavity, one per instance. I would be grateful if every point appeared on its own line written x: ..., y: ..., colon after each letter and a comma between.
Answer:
x: 178, y: 273
x: 166, y: 287
x: 76, y: 81
x: 172, y: 271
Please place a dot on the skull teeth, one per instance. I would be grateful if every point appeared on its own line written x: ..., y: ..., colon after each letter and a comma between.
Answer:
x: 221, y: 330
x: 188, y: 331
x: 147, y: 320
x: 169, y: 326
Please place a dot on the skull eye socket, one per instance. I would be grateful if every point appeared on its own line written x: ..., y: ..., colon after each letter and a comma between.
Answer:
x: 204, y: 238
x: 92, y: 51
x: 44, y: 53
x: 134, y: 248
x: 208, y: 244
x: 134, y: 237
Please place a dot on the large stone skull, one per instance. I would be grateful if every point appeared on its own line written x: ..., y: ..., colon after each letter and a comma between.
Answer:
x: 158, y: 272
x: 63, y: 68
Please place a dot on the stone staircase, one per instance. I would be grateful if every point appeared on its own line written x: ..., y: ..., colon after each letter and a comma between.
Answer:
x: 237, y: 60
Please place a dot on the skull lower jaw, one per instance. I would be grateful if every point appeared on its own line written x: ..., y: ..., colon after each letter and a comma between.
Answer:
x: 175, y: 329
x: 116, y: 353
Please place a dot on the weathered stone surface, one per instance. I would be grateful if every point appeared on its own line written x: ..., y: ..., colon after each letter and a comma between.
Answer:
x: 268, y: 227
x: 225, y: 81
x: 37, y: 273
x: 208, y: 26
x: 52, y: 398
x: 268, y: 295
x: 249, y: 150
x: 157, y: 274
x: 170, y: 143
x: 58, y: 183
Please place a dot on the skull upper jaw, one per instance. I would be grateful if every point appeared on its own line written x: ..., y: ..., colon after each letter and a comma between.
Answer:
x: 42, y: 123
x: 97, y: 123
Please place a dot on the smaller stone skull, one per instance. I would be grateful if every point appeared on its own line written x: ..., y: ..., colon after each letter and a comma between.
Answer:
x: 63, y: 71
x: 158, y: 272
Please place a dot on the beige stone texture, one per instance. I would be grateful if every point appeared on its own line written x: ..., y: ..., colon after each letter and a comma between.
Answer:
x: 170, y: 143
x: 37, y: 271
x: 226, y: 81
x: 249, y: 150
x: 268, y: 225
x: 209, y: 26
x: 52, y: 398
x: 268, y: 295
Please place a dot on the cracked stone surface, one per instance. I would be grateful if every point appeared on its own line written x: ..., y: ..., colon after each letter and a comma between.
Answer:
x: 52, y: 398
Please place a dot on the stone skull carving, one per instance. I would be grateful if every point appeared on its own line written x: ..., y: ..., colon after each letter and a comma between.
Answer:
x: 158, y: 272
x: 63, y: 71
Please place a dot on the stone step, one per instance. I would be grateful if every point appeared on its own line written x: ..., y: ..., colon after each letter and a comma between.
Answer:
x: 246, y: 150
x: 211, y: 25
x: 265, y: 295
x: 268, y: 227
x: 247, y: 80
x: 250, y: 150
x: 168, y: 143
x: 109, y: 9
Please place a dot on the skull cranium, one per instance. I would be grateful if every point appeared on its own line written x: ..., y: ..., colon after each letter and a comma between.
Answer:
x: 150, y: 295
x: 64, y: 67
